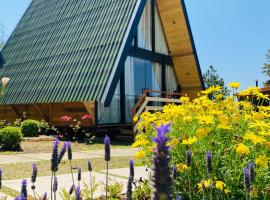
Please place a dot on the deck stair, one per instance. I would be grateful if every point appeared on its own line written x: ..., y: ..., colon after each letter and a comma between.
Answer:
x: 153, y: 101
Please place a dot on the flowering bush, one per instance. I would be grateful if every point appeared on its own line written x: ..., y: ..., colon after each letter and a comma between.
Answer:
x: 219, y: 148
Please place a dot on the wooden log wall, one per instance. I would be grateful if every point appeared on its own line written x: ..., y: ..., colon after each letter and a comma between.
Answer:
x: 50, y: 112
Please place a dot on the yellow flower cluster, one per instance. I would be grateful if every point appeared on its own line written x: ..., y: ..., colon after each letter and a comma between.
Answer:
x: 233, y: 129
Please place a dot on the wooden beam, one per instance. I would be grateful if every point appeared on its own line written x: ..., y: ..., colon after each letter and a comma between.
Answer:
x: 40, y: 111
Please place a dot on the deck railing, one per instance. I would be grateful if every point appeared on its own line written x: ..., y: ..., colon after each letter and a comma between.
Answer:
x: 153, y: 97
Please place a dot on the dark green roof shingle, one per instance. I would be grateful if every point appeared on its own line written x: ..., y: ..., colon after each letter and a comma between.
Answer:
x: 64, y: 50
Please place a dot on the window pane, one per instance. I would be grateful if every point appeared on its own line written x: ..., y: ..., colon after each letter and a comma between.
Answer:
x: 144, y: 28
x: 110, y: 115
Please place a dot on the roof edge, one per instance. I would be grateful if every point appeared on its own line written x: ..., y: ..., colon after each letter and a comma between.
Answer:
x: 122, y: 54
x: 192, y: 43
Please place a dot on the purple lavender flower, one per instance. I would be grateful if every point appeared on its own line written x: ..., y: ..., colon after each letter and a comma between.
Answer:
x: 89, y: 165
x: 1, y: 177
x: 71, y: 189
x: 209, y: 162
x: 78, y: 194
x: 178, y: 197
x: 17, y: 198
x: 107, y: 148
x: 24, y: 190
x: 129, y: 188
x: 44, y: 196
x: 188, y: 158
x: 79, y: 174
x: 130, y: 180
x: 69, y: 151
x: 54, y: 160
x: 131, y: 168
x: 246, y: 179
x: 34, y: 173
x: 62, y: 152
x: 252, y: 172
x: 55, y: 184
x: 161, y: 180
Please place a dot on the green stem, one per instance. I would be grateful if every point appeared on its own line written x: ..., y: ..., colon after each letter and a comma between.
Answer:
x: 107, y: 175
x: 91, y: 186
x: 71, y: 174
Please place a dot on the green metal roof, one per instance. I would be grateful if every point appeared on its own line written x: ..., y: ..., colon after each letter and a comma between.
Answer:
x: 65, y: 50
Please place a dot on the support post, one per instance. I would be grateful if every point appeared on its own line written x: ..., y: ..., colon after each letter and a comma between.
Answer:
x: 122, y: 97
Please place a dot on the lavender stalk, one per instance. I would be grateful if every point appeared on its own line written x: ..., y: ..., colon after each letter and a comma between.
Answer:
x: 130, y: 180
x: 79, y: 175
x: 1, y: 177
x: 70, y: 159
x: 107, y: 159
x: 246, y: 181
x: 34, y: 178
x: 161, y: 180
x: 90, y: 174
x: 54, y: 163
x: 55, y: 186
x: 24, y: 190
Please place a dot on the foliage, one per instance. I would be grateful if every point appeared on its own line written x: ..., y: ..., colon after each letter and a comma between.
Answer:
x: 233, y: 134
x: 86, y: 191
x: 10, y: 138
x: 211, y: 78
x: 266, y: 68
x: 142, y: 190
x: 30, y: 128
x: 114, y: 188
x: 44, y: 127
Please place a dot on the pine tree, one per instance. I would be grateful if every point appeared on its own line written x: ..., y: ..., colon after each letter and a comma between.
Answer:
x: 266, y: 68
x: 211, y: 78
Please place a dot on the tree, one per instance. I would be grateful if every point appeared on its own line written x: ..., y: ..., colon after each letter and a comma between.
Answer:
x: 266, y: 68
x: 2, y: 35
x: 211, y: 78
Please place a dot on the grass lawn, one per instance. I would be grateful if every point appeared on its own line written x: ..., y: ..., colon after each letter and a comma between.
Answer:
x: 46, y: 146
x: 24, y: 170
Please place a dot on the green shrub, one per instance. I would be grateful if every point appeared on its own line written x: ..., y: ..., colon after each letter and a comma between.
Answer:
x: 30, y: 128
x: 10, y: 138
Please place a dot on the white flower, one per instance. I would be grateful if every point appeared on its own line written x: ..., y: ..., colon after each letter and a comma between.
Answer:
x: 5, y: 81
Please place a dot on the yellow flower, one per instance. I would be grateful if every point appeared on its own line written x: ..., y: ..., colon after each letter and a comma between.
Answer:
x: 241, y: 149
x: 234, y: 85
x: 173, y: 143
x: 262, y: 161
x: 184, y: 99
x: 224, y: 126
x: 140, y: 154
x: 219, y: 97
x: 262, y: 96
x: 254, y: 193
x: 202, y: 132
x: 259, y: 124
x: 181, y: 167
x: 226, y: 191
x: 206, y: 183
x: 190, y: 140
x: 140, y: 143
x: 204, y: 119
x: 254, y: 138
x: 135, y: 119
x: 220, y: 185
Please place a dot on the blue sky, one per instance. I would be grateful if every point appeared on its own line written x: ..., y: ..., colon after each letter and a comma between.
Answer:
x: 232, y: 35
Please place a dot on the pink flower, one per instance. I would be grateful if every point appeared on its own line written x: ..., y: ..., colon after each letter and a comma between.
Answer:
x: 86, y: 117
x: 66, y: 118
